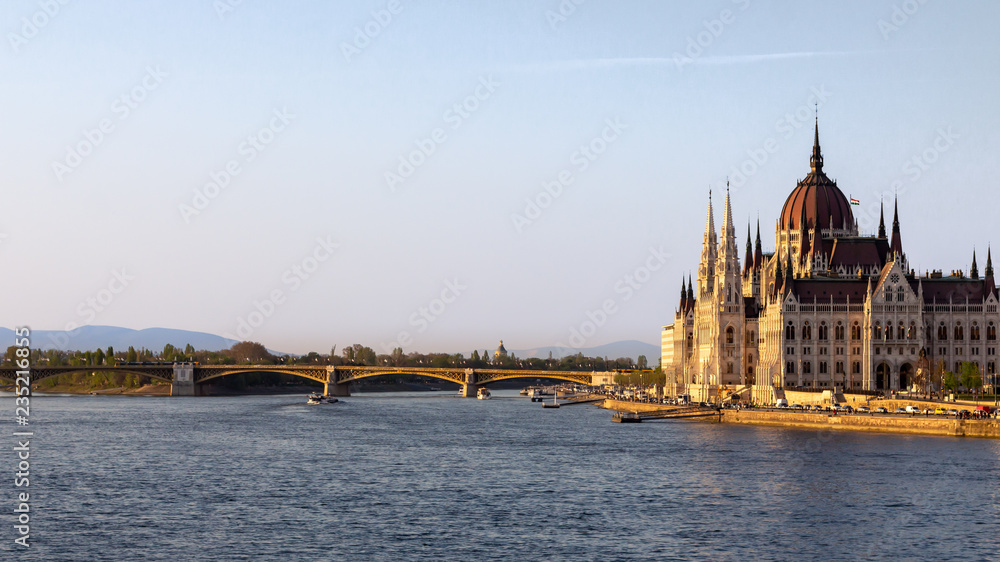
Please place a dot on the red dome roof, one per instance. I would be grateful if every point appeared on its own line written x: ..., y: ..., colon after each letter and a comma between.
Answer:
x: 816, y: 201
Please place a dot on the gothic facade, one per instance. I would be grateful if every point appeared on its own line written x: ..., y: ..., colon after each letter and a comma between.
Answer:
x: 827, y: 309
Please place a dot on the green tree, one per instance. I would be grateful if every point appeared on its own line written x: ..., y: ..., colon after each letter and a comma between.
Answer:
x: 949, y: 380
x: 969, y: 376
x: 131, y: 356
x: 641, y: 362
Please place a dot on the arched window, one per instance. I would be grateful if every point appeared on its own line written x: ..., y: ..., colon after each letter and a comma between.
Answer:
x: 877, y: 331
x: 729, y: 368
x: 749, y: 359
x: 912, y: 333
x: 729, y: 292
x: 807, y: 332
x: 888, y: 294
x: 942, y: 332
x: 959, y: 331
x: 900, y: 332
x: 888, y: 330
x: 855, y: 332
x: 900, y: 295
x: 807, y: 367
x: 974, y: 331
x: 730, y: 335
x: 824, y: 331
x: 838, y: 331
x: 991, y: 332
x: 790, y: 332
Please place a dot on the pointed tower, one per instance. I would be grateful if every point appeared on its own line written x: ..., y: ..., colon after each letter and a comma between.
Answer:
x: 683, y: 302
x: 709, y: 254
x: 758, y: 252
x: 974, y: 272
x: 728, y: 274
x: 816, y: 160
x: 896, y: 246
x: 748, y: 259
x: 690, y: 300
x: 990, y: 284
x: 881, y: 221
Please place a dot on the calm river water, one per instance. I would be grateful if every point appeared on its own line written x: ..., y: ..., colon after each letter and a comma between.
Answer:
x: 421, y: 476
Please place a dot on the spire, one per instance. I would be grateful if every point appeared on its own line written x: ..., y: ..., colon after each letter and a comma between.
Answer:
x: 709, y: 253
x: 816, y: 161
x: 758, y: 253
x: 805, y: 249
x: 990, y: 284
x: 896, y: 246
x: 683, y: 292
x: 748, y: 260
x: 975, y: 268
x: 881, y: 221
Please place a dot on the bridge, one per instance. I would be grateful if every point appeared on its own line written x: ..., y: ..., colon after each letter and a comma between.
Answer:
x: 185, y: 378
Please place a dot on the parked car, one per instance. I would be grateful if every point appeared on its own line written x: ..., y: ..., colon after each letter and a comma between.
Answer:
x: 900, y: 411
x: 953, y: 412
x: 911, y: 409
x: 940, y: 412
x: 928, y: 411
x: 796, y: 406
x: 864, y: 409
x: 881, y: 410
x: 817, y: 407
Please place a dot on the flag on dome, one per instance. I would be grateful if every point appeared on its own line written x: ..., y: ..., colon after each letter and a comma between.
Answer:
x: 855, y: 201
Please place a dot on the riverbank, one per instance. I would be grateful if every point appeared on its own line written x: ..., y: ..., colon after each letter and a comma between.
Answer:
x: 873, y: 423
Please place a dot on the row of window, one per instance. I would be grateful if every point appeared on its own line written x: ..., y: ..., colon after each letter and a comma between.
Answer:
x: 823, y: 367
x: 889, y: 332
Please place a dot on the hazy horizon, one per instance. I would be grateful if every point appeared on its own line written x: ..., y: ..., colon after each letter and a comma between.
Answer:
x: 445, y: 175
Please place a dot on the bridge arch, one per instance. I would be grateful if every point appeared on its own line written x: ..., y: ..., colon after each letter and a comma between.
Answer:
x: 43, y: 375
x: 318, y: 376
x: 349, y: 375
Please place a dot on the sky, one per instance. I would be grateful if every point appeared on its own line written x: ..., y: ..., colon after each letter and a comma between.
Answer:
x: 441, y: 175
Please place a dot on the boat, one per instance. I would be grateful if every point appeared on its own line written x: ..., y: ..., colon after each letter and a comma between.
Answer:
x: 626, y: 417
x: 483, y: 394
x: 535, y: 395
x: 317, y: 398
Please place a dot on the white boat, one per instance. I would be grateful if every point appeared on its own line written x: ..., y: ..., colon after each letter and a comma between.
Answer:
x: 483, y: 394
x: 320, y: 399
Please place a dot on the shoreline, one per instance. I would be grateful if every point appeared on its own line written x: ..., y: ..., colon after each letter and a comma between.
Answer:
x: 870, y: 423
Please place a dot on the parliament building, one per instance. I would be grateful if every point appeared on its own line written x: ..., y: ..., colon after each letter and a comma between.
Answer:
x: 828, y: 309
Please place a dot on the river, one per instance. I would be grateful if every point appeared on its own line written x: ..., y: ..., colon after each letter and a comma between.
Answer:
x: 417, y: 476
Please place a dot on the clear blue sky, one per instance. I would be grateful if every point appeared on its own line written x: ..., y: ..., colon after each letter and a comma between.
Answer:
x: 335, y: 112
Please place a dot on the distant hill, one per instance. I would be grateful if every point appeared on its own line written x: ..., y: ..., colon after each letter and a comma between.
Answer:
x: 628, y: 348
x: 93, y: 337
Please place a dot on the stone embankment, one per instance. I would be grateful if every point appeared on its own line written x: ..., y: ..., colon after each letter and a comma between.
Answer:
x: 864, y: 422
x: 916, y: 425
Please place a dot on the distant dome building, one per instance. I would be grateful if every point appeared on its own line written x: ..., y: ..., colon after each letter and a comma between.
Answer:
x: 500, y: 352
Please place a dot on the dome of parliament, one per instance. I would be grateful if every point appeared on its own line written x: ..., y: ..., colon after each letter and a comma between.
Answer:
x: 816, y: 202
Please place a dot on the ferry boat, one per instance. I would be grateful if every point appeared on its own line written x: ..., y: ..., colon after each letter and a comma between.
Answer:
x: 483, y: 394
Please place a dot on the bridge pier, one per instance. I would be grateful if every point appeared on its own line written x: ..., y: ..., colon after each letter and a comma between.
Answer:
x: 470, y: 388
x: 182, y: 383
x: 333, y: 388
